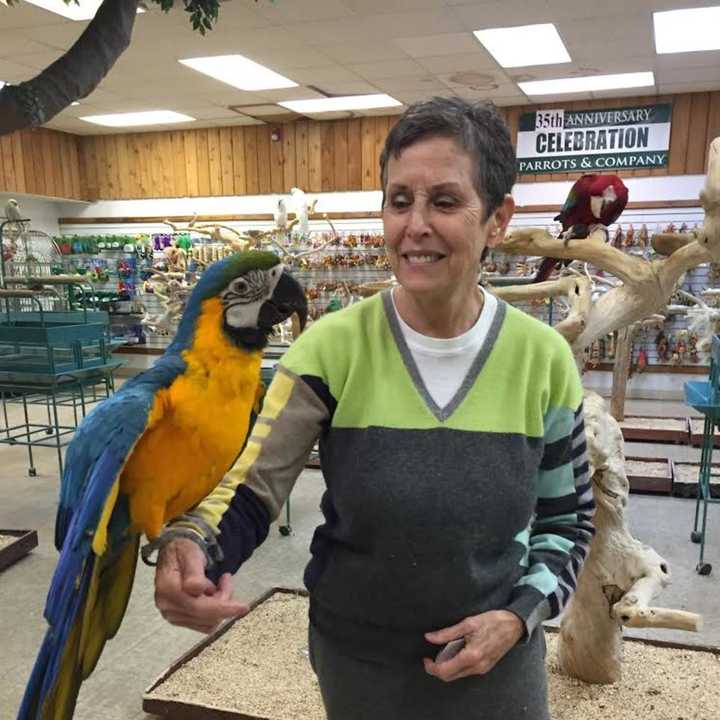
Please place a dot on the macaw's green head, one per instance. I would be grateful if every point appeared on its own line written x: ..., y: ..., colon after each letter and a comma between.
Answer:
x: 256, y: 293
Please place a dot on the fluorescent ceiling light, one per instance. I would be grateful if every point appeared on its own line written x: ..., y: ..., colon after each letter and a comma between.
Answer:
x: 524, y: 45
x: 335, y: 104
x: 84, y: 11
x: 590, y: 83
x: 73, y: 104
x: 151, y: 117
x: 240, y: 72
x: 687, y: 30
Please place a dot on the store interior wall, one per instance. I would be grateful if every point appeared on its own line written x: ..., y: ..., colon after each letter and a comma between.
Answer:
x: 43, y: 213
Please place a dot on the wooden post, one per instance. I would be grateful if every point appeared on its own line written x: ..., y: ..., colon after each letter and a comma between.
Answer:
x: 621, y: 370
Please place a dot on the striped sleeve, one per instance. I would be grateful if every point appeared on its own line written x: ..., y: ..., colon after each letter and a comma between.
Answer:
x: 561, y: 531
x: 235, y: 518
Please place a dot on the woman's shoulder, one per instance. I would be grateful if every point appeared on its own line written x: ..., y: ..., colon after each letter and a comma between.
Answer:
x: 534, y: 331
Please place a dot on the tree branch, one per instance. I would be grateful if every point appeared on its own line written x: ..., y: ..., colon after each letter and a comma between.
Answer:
x: 75, y: 74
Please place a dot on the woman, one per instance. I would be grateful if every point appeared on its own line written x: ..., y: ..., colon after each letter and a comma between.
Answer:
x: 458, y: 504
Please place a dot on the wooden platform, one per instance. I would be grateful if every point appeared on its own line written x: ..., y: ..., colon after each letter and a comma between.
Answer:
x: 25, y: 541
x: 685, y: 480
x: 656, y: 429
x: 649, y: 475
x: 697, y: 426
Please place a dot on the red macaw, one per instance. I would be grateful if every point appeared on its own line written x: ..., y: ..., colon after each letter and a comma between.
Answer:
x: 593, y: 200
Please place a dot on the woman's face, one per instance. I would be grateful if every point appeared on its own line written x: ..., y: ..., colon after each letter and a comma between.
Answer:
x: 433, y: 219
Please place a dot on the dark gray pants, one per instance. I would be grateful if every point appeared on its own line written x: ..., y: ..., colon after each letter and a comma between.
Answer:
x: 359, y: 689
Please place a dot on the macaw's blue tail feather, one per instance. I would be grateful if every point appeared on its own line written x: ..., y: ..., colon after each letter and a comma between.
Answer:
x: 88, y: 594
x: 42, y: 701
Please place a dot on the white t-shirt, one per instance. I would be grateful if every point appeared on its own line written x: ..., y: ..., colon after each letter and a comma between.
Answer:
x: 443, y: 363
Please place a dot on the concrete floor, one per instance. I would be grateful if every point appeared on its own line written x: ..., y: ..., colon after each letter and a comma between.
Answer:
x: 145, y: 645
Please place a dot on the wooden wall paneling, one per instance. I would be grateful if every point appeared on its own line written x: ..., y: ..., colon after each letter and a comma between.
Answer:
x: 314, y: 158
x: 369, y: 164
x: 238, y: 158
x: 277, y: 180
x: 167, y: 165
x: 226, y: 161
x: 65, y: 164
x: 156, y: 167
x: 77, y: 189
x: 98, y: 159
x: 126, y: 175
x: 697, y: 132
x: 7, y: 165
x: 88, y: 153
x: 136, y: 159
x: 328, y: 156
x: 289, y: 156
x: 18, y: 161
x: 354, y: 143
x: 381, y: 130
x: 251, y: 160
x: 47, y: 162
x: 191, y: 162
x: 341, y: 153
x: 203, y: 162
x: 27, y: 137
x: 679, y: 134
x: 82, y: 165
x: 112, y: 165
x: 263, y: 154
x: 302, y: 159
x: 713, y: 125
x: 213, y: 135
x: 178, y: 160
x: 56, y: 158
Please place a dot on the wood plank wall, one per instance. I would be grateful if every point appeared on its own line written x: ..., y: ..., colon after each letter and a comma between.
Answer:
x: 41, y: 162
x: 317, y: 156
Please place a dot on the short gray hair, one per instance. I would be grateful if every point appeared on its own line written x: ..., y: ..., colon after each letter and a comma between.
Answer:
x: 477, y: 127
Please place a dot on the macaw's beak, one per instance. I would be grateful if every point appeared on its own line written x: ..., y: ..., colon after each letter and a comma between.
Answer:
x: 288, y: 298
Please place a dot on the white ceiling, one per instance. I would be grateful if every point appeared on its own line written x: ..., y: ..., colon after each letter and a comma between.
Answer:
x: 410, y: 49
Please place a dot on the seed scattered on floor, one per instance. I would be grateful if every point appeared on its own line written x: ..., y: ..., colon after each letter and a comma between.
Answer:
x: 259, y: 669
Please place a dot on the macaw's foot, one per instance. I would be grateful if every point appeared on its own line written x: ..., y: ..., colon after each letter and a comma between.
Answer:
x: 576, y: 232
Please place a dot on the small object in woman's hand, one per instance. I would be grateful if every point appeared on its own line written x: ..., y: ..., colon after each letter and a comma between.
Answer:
x: 450, y: 650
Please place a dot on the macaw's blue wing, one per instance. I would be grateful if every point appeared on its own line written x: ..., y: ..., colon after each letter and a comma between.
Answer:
x: 118, y: 423
x: 98, y: 549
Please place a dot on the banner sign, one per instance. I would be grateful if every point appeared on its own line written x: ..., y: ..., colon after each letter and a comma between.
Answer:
x: 559, y: 141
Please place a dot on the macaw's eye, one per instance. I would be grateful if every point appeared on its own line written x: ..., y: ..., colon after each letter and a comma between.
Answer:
x: 240, y: 286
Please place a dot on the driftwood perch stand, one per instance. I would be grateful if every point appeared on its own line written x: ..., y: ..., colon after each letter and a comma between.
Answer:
x: 621, y: 575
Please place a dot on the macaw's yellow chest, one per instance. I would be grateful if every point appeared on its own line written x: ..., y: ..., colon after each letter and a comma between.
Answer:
x: 196, y: 429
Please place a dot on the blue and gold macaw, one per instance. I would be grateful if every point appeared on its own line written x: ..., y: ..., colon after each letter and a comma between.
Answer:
x: 149, y: 453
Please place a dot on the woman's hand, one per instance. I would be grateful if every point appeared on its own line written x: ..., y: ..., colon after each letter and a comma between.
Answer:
x: 185, y: 597
x: 488, y: 637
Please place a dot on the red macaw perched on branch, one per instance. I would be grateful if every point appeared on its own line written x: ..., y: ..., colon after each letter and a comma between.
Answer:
x: 593, y: 200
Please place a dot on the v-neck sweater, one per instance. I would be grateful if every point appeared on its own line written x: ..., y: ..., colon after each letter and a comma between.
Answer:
x: 431, y: 514
x: 443, y: 363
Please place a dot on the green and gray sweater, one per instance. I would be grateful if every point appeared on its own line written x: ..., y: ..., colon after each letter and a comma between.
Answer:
x: 430, y: 514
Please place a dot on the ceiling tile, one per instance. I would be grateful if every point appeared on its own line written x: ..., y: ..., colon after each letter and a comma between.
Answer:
x: 443, y: 44
x: 701, y: 86
x: 25, y: 15
x: 689, y: 60
x: 291, y: 11
x: 500, y: 13
x: 372, y: 7
x: 388, y: 69
x: 665, y: 76
x: 283, y: 94
x: 456, y: 63
x: 355, y: 51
